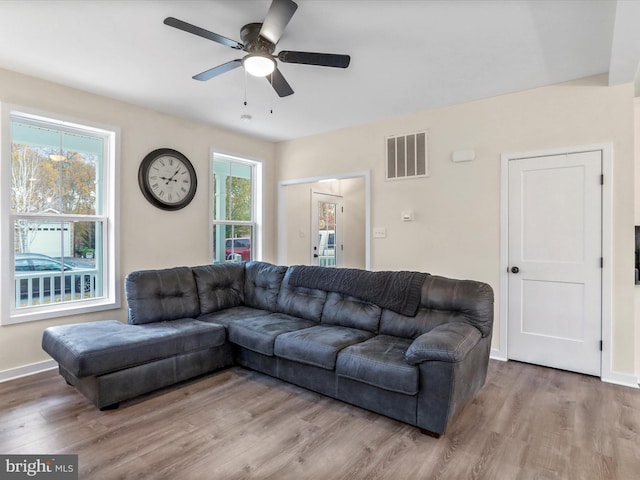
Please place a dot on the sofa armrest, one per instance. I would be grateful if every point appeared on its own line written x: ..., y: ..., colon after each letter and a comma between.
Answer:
x: 449, y: 342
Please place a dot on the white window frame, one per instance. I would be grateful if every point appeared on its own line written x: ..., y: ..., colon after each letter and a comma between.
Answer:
x: 110, y: 299
x: 256, y: 203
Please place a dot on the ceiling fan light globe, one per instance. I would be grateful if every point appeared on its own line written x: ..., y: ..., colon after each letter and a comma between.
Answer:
x: 259, y: 65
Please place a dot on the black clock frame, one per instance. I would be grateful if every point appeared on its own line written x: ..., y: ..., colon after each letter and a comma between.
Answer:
x: 145, y: 187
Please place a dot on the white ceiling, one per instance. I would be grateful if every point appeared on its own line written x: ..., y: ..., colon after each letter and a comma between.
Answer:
x: 406, y: 56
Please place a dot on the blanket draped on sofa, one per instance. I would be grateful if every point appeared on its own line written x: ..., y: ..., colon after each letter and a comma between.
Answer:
x: 396, y: 291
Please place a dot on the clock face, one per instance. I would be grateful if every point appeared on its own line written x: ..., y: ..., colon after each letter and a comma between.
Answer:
x: 167, y: 179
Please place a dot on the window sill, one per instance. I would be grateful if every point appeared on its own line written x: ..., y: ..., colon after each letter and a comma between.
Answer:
x: 48, y: 311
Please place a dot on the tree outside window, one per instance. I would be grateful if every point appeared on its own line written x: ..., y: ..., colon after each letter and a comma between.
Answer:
x: 44, y: 183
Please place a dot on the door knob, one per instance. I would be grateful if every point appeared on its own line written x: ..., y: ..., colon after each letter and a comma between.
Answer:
x: 515, y: 269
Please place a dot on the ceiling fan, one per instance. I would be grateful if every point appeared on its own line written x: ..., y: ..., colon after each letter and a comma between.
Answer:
x: 259, y: 41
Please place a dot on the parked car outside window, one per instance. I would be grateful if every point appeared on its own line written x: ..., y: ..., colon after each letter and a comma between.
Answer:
x: 28, y: 264
x: 238, y: 246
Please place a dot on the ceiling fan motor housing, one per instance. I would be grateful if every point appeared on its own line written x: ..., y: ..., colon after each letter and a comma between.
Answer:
x: 253, y: 42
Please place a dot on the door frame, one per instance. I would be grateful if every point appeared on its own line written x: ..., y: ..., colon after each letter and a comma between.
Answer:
x: 501, y: 353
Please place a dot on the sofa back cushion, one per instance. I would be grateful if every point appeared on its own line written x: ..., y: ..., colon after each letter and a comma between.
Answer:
x: 352, y: 312
x: 301, y: 302
x: 161, y: 295
x: 262, y: 284
x: 220, y: 286
x: 444, y: 300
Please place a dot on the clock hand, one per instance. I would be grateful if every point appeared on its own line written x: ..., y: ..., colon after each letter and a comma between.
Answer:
x: 169, y: 179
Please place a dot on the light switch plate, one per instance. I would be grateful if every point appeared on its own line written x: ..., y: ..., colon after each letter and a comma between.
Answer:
x: 379, y: 232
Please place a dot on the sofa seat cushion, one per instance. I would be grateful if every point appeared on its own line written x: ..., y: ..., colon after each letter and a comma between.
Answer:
x: 229, y: 315
x: 259, y: 333
x: 380, y: 361
x: 318, y: 345
x: 95, y: 348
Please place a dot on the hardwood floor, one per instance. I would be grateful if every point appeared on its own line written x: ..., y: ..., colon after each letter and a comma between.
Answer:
x: 527, y: 423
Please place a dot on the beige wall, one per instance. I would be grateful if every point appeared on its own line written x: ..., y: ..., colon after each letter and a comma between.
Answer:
x: 150, y: 238
x: 456, y: 231
x: 296, y: 236
x: 354, y: 220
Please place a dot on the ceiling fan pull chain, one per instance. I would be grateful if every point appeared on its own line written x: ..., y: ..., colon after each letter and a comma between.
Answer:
x: 245, y: 88
x: 271, y: 109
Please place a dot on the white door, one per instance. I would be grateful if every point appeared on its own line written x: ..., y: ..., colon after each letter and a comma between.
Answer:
x: 326, y: 230
x: 555, y: 255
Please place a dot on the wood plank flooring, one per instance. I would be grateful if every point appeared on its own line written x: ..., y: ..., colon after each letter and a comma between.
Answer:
x: 527, y: 423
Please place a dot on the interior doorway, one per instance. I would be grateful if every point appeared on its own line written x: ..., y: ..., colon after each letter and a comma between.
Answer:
x: 294, y: 233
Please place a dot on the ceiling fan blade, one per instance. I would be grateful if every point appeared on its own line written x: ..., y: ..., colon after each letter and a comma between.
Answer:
x: 279, y: 84
x: 201, y: 32
x: 215, y: 71
x: 320, y: 59
x: 278, y: 16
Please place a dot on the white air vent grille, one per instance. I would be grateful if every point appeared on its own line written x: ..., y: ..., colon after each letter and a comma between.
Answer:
x: 407, y: 156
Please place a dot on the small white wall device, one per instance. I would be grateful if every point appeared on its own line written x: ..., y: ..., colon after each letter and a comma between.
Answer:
x: 408, y: 216
x: 463, y: 155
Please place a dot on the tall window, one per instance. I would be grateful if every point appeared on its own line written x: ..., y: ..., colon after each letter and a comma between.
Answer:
x: 61, y: 217
x: 235, y: 209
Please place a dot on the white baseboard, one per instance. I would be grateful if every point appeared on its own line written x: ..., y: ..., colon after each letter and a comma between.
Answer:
x: 496, y: 354
x: 13, y: 373
x: 624, y: 379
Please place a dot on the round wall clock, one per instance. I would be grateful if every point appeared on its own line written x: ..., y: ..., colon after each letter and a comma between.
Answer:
x: 167, y: 179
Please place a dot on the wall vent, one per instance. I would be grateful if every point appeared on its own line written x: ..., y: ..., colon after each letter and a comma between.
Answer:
x: 407, y: 156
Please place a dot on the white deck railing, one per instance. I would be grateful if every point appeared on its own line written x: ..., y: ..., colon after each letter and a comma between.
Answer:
x: 38, y: 288
x: 327, y: 261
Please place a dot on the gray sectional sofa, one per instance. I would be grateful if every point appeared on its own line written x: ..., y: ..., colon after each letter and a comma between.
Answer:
x: 407, y: 345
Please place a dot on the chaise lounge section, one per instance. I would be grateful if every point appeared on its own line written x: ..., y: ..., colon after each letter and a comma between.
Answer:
x: 408, y: 345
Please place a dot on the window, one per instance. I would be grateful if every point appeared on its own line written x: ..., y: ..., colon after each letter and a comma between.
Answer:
x: 59, y: 204
x: 235, y: 209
